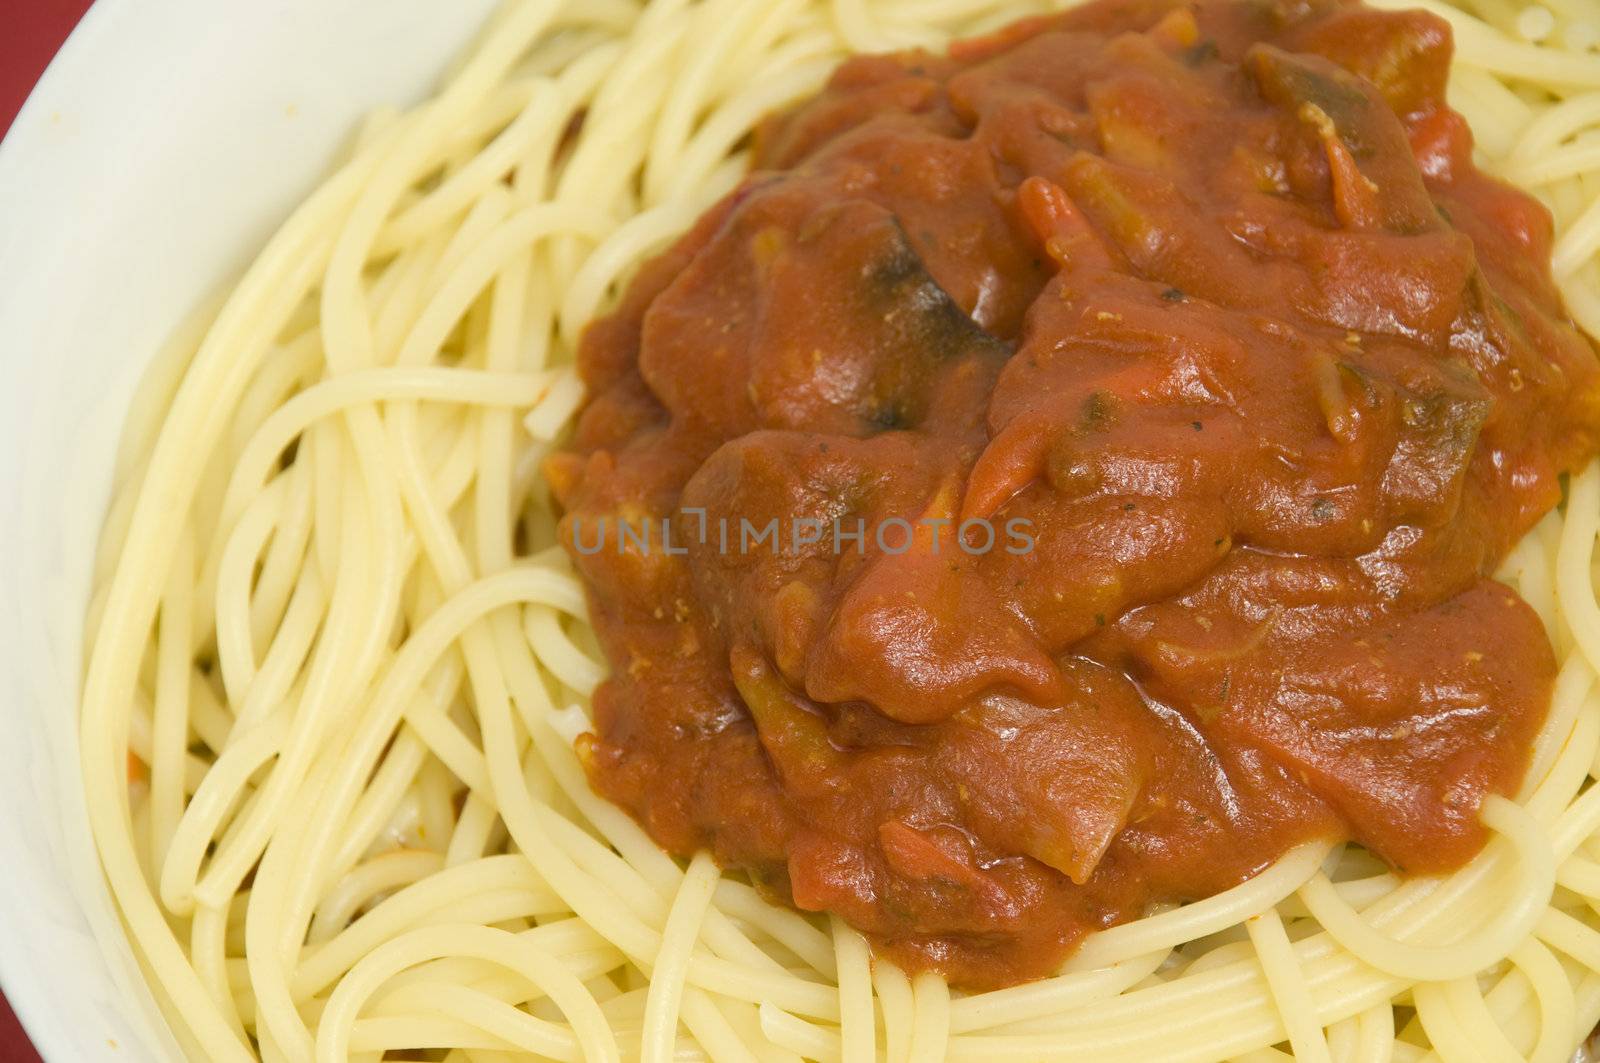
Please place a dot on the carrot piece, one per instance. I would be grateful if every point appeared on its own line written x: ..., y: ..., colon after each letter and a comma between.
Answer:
x: 1059, y: 225
x: 1355, y: 196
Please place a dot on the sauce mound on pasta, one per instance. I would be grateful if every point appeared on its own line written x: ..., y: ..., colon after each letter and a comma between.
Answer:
x: 1068, y: 473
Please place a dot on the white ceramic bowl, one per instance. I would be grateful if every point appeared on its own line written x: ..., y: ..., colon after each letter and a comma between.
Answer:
x: 159, y: 151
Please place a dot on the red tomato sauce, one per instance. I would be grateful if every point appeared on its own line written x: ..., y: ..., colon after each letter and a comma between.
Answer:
x: 1206, y: 315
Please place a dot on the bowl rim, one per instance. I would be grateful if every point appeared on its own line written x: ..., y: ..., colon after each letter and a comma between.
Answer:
x: 37, y: 101
x: 28, y: 997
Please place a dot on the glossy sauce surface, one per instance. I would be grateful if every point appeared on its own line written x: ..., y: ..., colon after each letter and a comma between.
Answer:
x: 1205, y: 313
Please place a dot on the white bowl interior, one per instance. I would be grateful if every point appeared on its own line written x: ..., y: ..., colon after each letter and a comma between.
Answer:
x: 159, y: 151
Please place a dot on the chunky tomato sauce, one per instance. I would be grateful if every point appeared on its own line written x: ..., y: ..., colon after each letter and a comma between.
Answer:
x: 1205, y: 316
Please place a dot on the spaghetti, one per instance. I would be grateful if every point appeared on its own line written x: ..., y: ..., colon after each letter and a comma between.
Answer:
x: 338, y: 665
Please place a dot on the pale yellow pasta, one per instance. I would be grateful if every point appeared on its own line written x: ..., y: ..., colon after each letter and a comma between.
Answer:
x: 331, y: 626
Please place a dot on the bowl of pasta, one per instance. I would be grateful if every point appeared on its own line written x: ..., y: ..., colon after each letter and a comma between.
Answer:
x: 804, y: 529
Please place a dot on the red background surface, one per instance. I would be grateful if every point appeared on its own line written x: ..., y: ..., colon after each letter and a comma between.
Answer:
x: 30, y: 33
